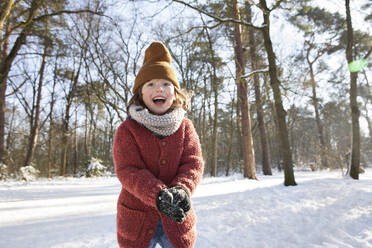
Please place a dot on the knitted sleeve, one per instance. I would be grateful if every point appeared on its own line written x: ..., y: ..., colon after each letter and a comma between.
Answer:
x: 191, y: 166
x: 130, y: 169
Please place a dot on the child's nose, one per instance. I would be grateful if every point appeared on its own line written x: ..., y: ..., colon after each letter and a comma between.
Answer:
x: 159, y: 88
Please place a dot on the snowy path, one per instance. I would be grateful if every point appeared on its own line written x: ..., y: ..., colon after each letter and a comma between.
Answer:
x: 69, y: 213
x: 324, y: 210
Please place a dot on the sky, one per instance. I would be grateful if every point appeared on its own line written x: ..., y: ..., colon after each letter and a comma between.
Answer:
x: 325, y: 210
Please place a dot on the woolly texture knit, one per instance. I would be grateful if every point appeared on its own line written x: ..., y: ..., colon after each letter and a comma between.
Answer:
x: 145, y: 164
x: 164, y: 125
x: 156, y: 65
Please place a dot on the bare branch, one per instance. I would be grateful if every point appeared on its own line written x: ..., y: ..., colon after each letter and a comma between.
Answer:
x: 277, y: 4
x: 250, y: 74
x: 165, y: 7
x: 368, y: 53
x: 251, y: 2
x: 192, y: 28
x: 39, y: 18
x: 61, y: 12
x: 217, y: 18
x: 16, y: 89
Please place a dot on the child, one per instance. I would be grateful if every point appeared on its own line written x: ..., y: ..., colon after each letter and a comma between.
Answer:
x: 157, y: 159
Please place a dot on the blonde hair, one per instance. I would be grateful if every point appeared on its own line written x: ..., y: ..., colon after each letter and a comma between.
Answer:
x: 181, y: 99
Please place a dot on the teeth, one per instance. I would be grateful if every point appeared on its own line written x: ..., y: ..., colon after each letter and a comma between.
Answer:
x: 159, y: 98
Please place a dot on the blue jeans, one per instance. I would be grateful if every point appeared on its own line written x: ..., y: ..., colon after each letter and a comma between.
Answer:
x: 160, y: 238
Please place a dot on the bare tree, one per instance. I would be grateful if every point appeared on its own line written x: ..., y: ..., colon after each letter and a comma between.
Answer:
x: 247, y: 146
x: 254, y: 59
x: 31, y: 18
x: 215, y: 82
x: 355, y: 113
x: 34, y: 133
x: 289, y: 179
x: 51, y: 121
x: 355, y: 146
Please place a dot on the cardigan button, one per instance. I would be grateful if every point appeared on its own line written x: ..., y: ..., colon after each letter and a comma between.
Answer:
x: 163, y: 162
x: 163, y: 143
x: 150, y: 232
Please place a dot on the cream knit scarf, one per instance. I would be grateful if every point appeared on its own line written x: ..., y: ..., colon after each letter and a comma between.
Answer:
x: 164, y: 125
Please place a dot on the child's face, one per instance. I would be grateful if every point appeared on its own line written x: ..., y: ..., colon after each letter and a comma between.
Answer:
x: 158, y: 95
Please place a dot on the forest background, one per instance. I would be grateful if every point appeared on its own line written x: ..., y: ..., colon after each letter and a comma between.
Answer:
x: 270, y: 81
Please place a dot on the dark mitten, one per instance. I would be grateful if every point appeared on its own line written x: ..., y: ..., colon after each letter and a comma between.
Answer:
x: 164, y: 203
x: 181, y: 198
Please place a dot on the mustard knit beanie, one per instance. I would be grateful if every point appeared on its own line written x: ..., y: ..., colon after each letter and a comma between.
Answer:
x: 156, y: 65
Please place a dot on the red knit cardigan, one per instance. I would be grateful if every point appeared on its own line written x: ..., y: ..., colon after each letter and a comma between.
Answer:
x: 145, y: 164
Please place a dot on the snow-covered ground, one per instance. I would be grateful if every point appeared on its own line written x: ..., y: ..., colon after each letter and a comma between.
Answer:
x: 324, y: 210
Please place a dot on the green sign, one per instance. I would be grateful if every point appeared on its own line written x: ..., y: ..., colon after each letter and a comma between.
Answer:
x: 357, y: 65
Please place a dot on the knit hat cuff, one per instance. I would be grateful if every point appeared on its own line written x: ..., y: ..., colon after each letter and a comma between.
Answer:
x: 157, y: 70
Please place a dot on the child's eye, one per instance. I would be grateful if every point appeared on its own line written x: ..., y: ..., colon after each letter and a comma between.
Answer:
x: 150, y: 84
x: 166, y: 84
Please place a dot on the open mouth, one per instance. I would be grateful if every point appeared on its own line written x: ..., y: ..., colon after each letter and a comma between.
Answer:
x: 159, y: 100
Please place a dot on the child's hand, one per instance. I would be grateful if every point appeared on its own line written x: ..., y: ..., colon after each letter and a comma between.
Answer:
x: 181, y: 198
x: 165, y: 205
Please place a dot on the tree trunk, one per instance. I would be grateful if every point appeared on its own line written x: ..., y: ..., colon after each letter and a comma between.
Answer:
x: 51, y: 122
x: 66, y: 121
x: 50, y: 132
x: 65, y: 140
x: 215, y: 134
x: 289, y: 179
x: 6, y: 7
x: 367, y: 114
x: 9, y: 141
x: 36, y: 121
x: 87, y: 137
x: 239, y: 134
x: 231, y: 140
x: 355, y: 147
x: 92, y: 133
x: 4, y: 53
x: 273, y: 142
x: 369, y: 124
x: 76, y: 145
x: 248, y: 149
x: 215, y: 118
x: 323, y: 151
x: 266, y: 168
x: 204, y: 124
